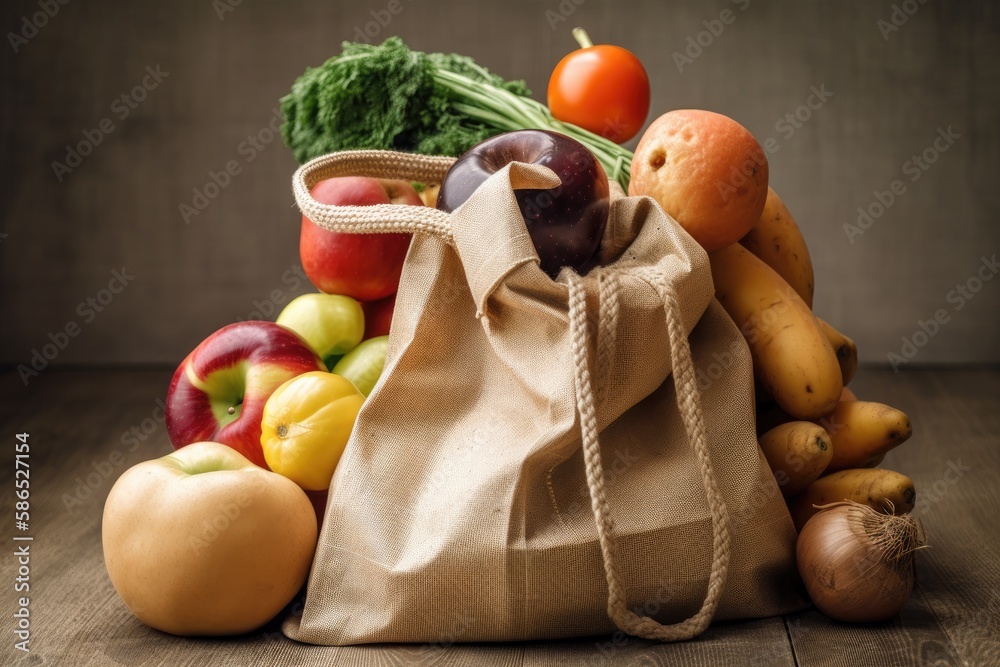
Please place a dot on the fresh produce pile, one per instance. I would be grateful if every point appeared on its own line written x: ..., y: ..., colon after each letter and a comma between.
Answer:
x: 260, y: 413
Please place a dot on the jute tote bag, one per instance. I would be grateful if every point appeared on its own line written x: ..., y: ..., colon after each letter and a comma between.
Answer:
x: 544, y: 458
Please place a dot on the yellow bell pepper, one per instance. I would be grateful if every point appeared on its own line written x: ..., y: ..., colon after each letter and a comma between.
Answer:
x: 305, y: 427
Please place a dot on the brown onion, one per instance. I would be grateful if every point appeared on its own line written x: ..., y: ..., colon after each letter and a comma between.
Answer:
x: 856, y: 562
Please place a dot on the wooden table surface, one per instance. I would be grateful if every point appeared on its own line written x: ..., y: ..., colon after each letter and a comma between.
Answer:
x: 76, y: 420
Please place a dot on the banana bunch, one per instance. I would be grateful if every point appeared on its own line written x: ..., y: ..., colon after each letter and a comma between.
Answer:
x: 821, y: 442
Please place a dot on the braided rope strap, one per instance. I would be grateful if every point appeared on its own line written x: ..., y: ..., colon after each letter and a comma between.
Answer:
x: 379, y: 218
x: 607, y: 330
x: 689, y: 404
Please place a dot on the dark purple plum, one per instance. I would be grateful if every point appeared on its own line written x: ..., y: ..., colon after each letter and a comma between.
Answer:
x: 565, y: 223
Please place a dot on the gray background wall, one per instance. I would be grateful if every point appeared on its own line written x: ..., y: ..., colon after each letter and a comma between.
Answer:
x: 120, y: 206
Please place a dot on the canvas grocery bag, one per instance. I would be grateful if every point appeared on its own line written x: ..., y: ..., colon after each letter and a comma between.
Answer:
x: 544, y: 458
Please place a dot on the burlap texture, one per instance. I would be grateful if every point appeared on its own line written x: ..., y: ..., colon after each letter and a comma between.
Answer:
x: 462, y: 509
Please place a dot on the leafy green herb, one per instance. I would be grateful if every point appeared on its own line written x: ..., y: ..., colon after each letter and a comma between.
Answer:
x: 389, y: 97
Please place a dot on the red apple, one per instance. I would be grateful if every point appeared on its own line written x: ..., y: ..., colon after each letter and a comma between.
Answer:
x: 378, y: 316
x: 218, y: 392
x: 364, y: 266
x: 565, y: 223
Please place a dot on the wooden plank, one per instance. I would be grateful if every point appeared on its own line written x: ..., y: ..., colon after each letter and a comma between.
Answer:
x: 78, y: 617
x: 77, y: 418
x: 955, y: 465
x: 68, y: 584
x: 953, y: 458
x: 426, y: 655
x: 913, y: 638
x: 760, y: 643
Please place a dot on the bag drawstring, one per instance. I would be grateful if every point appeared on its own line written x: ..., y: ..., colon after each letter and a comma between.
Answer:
x: 607, y: 330
x: 689, y: 404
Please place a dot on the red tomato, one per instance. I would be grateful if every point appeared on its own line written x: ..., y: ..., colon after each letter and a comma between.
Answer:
x: 603, y: 89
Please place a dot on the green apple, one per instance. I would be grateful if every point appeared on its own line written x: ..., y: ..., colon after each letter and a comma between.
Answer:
x: 363, y: 365
x: 331, y: 324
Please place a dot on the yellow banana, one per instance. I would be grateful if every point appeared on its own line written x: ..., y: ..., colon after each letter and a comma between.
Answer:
x: 847, y: 351
x: 863, y: 431
x: 792, y: 359
x: 777, y: 240
x: 798, y: 453
x: 874, y: 487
